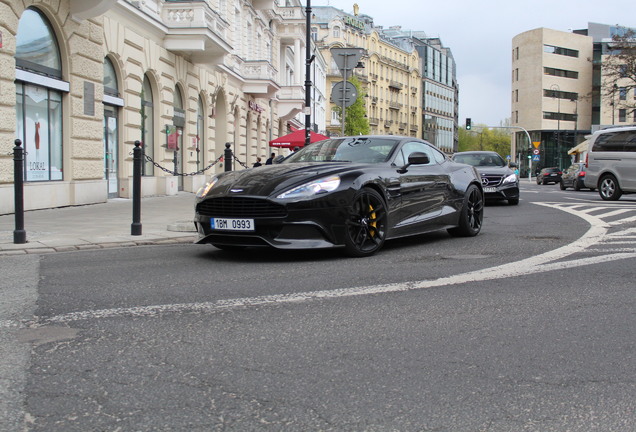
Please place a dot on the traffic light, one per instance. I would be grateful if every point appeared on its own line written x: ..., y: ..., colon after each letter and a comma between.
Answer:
x: 468, y: 124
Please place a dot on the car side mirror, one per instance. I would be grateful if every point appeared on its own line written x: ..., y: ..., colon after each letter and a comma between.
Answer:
x: 279, y: 159
x: 513, y: 165
x: 415, y: 158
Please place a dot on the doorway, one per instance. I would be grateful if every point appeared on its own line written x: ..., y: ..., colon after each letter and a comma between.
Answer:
x: 111, y: 156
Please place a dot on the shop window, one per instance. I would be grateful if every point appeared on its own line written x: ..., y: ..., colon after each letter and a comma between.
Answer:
x: 39, y: 106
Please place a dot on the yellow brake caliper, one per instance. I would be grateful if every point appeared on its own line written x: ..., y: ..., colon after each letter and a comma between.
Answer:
x: 372, y: 221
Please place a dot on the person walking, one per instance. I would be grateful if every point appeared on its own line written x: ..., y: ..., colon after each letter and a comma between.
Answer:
x: 270, y: 160
x: 257, y: 163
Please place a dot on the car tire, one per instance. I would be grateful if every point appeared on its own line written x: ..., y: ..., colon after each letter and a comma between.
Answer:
x: 471, y: 216
x: 366, y: 226
x: 513, y: 201
x: 538, y: 182
x: 608, y: 188
x: 577, y: 187
x: 562, y: 185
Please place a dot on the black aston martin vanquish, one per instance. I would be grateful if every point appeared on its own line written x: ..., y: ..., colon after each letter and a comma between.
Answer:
x: 351, y: 192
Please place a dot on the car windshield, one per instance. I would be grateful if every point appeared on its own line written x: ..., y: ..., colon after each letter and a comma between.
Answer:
x: 480, y: 159
x: 347, y: 149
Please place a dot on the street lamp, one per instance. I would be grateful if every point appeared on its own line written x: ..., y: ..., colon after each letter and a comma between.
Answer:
x: 555, y: 89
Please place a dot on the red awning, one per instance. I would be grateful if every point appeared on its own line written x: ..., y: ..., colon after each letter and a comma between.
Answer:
x: 296, y: 139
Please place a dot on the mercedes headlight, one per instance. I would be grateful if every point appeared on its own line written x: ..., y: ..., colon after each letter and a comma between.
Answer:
x: 312, y: 188
x: 512, y: 178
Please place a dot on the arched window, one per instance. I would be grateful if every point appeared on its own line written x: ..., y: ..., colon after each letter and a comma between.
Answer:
x: 111, y: 87
x: 336, y: 32
x: 36, y: 46
x: 38, y: 99
x: 147, y: 125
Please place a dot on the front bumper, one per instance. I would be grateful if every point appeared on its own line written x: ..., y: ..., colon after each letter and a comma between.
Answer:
x: 502, y: 192
x: 304, y: 225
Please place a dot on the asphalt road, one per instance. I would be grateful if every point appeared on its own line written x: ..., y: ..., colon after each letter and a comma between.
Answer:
x: 527, y: 327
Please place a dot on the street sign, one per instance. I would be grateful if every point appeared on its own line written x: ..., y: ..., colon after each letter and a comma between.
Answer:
x: 536, y: 158
x: 535, y: 151
x: 536, y: 144
x: 508, y: 157
x: 344, y: 93
x: 346, y: 58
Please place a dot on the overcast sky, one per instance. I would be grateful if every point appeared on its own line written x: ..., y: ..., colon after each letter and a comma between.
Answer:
x: 479, y: 33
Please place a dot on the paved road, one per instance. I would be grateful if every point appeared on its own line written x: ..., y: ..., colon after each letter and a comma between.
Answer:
x: 527, y: 327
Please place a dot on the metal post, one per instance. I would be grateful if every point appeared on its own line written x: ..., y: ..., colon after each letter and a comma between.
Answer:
x: 308, y: 61
x: 19, y: 234
x: 135, y: 227
x: 228, y: 157
x: 344, y: 87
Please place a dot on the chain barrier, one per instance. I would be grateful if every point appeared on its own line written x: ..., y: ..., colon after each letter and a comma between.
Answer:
x: 201, y: 171
x: 244, y: 165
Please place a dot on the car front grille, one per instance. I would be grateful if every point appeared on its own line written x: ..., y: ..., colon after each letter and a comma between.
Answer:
x: 240, y: 207
x: 491, y: 180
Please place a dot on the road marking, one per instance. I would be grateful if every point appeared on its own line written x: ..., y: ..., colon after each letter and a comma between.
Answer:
x: 551, y: 260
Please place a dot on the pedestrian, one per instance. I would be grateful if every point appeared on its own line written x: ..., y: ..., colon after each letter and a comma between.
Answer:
x: 257, y: 163
x: 270, y: 160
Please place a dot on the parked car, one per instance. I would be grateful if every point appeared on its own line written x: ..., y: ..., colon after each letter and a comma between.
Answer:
x: 611, y: 162
x: 574, y: 177
x: 549, y: 175
x: 350, y: 192
x: 499, y: 181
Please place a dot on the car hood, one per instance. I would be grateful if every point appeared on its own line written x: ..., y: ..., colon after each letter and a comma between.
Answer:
x: 493, y: 170
x: 270, y: 180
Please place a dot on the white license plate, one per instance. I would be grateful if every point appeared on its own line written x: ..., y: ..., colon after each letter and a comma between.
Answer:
x: 490, y: 189
x: 226, y: 224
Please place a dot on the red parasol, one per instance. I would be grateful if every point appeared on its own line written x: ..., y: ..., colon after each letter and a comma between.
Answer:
x: 296, y: 139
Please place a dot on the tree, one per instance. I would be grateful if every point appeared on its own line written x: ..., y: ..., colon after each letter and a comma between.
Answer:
x: 619, y: 69
x: 482, y: 138
x: 356, y: 122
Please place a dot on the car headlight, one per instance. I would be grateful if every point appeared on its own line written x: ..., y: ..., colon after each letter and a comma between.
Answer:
x: 203, y: 190
x: 312, y: 188
x: 512, y: 178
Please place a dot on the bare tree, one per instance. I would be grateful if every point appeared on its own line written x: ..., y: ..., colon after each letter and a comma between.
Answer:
x: 619, y: 70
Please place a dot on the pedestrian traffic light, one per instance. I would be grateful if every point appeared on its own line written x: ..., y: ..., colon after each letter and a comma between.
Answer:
x: 468, y: 124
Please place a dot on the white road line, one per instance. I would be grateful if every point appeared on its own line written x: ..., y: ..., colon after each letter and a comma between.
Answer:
x: 551, y: 260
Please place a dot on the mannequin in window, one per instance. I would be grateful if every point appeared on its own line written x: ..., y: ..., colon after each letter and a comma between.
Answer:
x: 37, y: 136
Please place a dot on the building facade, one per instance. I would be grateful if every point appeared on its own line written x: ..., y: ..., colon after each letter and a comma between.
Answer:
x: 559, y: 96
x: 389, y: 74
x: 82, y: 80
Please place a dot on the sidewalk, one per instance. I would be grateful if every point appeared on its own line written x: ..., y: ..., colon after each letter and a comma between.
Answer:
x: 164, y: 220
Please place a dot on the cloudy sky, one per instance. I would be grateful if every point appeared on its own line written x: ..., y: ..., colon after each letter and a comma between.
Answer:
x: 480, y: 33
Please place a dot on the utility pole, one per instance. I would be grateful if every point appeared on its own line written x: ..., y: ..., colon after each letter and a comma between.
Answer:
x: 308, y: 59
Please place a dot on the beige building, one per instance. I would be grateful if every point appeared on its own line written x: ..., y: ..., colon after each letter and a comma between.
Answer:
x: 390, y: 75
x: 82, y: 80
x: 551, y: 93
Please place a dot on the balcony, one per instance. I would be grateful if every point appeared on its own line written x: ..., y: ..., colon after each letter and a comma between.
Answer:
x: 196, y: 30
x: 259, y: 78
x: 291, y: 101
x: 374, y: 100
x: 402, y: 126
x: 396, y: 85
x: 374, y: 121
x: 413, y: 128
x: 395, y: 105
x: 388, y: 123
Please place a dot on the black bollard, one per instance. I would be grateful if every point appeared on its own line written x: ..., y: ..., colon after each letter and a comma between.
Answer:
x: 135, y: 227
x: 228, y: 157
x: 19, y: 234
